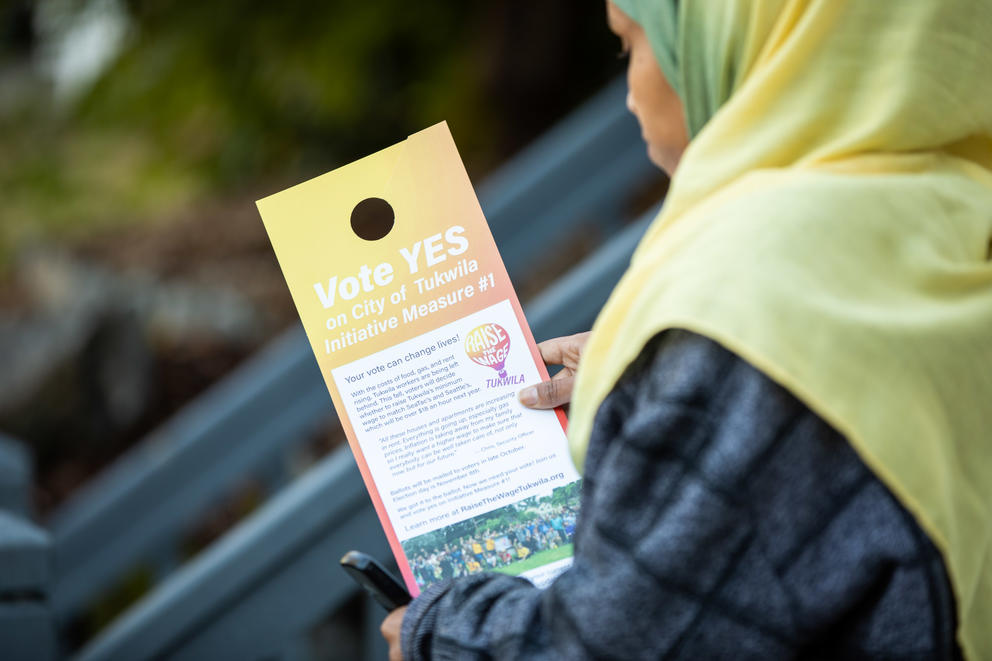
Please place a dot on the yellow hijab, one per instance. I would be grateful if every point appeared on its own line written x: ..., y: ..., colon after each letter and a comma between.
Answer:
x: 830, y: 222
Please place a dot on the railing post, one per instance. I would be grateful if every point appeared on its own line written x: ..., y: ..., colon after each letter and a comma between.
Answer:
x: 15, y: 477
x: 27, y: 626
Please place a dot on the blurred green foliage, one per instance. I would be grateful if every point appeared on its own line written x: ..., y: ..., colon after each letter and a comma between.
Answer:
x: 218, y: 96
x: 233, y: 90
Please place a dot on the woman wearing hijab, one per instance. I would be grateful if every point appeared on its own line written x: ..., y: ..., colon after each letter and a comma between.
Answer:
x: 783, y: 414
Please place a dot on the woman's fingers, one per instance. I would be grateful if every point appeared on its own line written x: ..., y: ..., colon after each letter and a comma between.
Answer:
x: 390, y: 629
x: 563, y: 351
x: 549, y: 394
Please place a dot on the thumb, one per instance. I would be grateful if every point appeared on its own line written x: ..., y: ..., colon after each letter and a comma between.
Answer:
x: 548, y: 394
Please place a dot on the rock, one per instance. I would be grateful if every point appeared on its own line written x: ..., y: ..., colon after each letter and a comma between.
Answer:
x: 82, y: 366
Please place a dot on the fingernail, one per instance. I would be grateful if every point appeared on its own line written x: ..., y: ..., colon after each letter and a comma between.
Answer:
x: 528, y: 396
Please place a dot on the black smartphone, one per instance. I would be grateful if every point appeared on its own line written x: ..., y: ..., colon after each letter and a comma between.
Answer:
x: 378, y: 582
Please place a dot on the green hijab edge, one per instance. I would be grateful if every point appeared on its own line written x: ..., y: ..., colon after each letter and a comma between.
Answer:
x: 702, y: 48
x: 660, y: 21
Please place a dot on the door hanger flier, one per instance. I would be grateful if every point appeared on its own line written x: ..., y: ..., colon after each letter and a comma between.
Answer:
x: 423, y: 346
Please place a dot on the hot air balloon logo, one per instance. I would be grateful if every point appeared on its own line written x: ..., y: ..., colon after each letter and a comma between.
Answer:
x: 489, y: 345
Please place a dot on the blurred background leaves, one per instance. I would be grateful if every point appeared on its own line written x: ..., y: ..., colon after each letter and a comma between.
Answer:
x: 171, y: 102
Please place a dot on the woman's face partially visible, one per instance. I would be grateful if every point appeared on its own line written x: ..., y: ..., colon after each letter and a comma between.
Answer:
x: 650, y: 97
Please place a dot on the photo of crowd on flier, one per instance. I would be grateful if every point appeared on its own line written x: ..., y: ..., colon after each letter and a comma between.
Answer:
x: 512, y: 539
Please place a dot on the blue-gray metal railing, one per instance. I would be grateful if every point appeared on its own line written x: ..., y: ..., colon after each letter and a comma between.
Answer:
x: 586, y: 164
x: 272, y: 577
x: 260, y: 584
x: 149, y: 496
x: 582, y: 169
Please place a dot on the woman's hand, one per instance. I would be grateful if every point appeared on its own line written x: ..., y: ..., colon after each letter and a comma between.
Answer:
x: 564, y: 351
x: 390, y: 629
